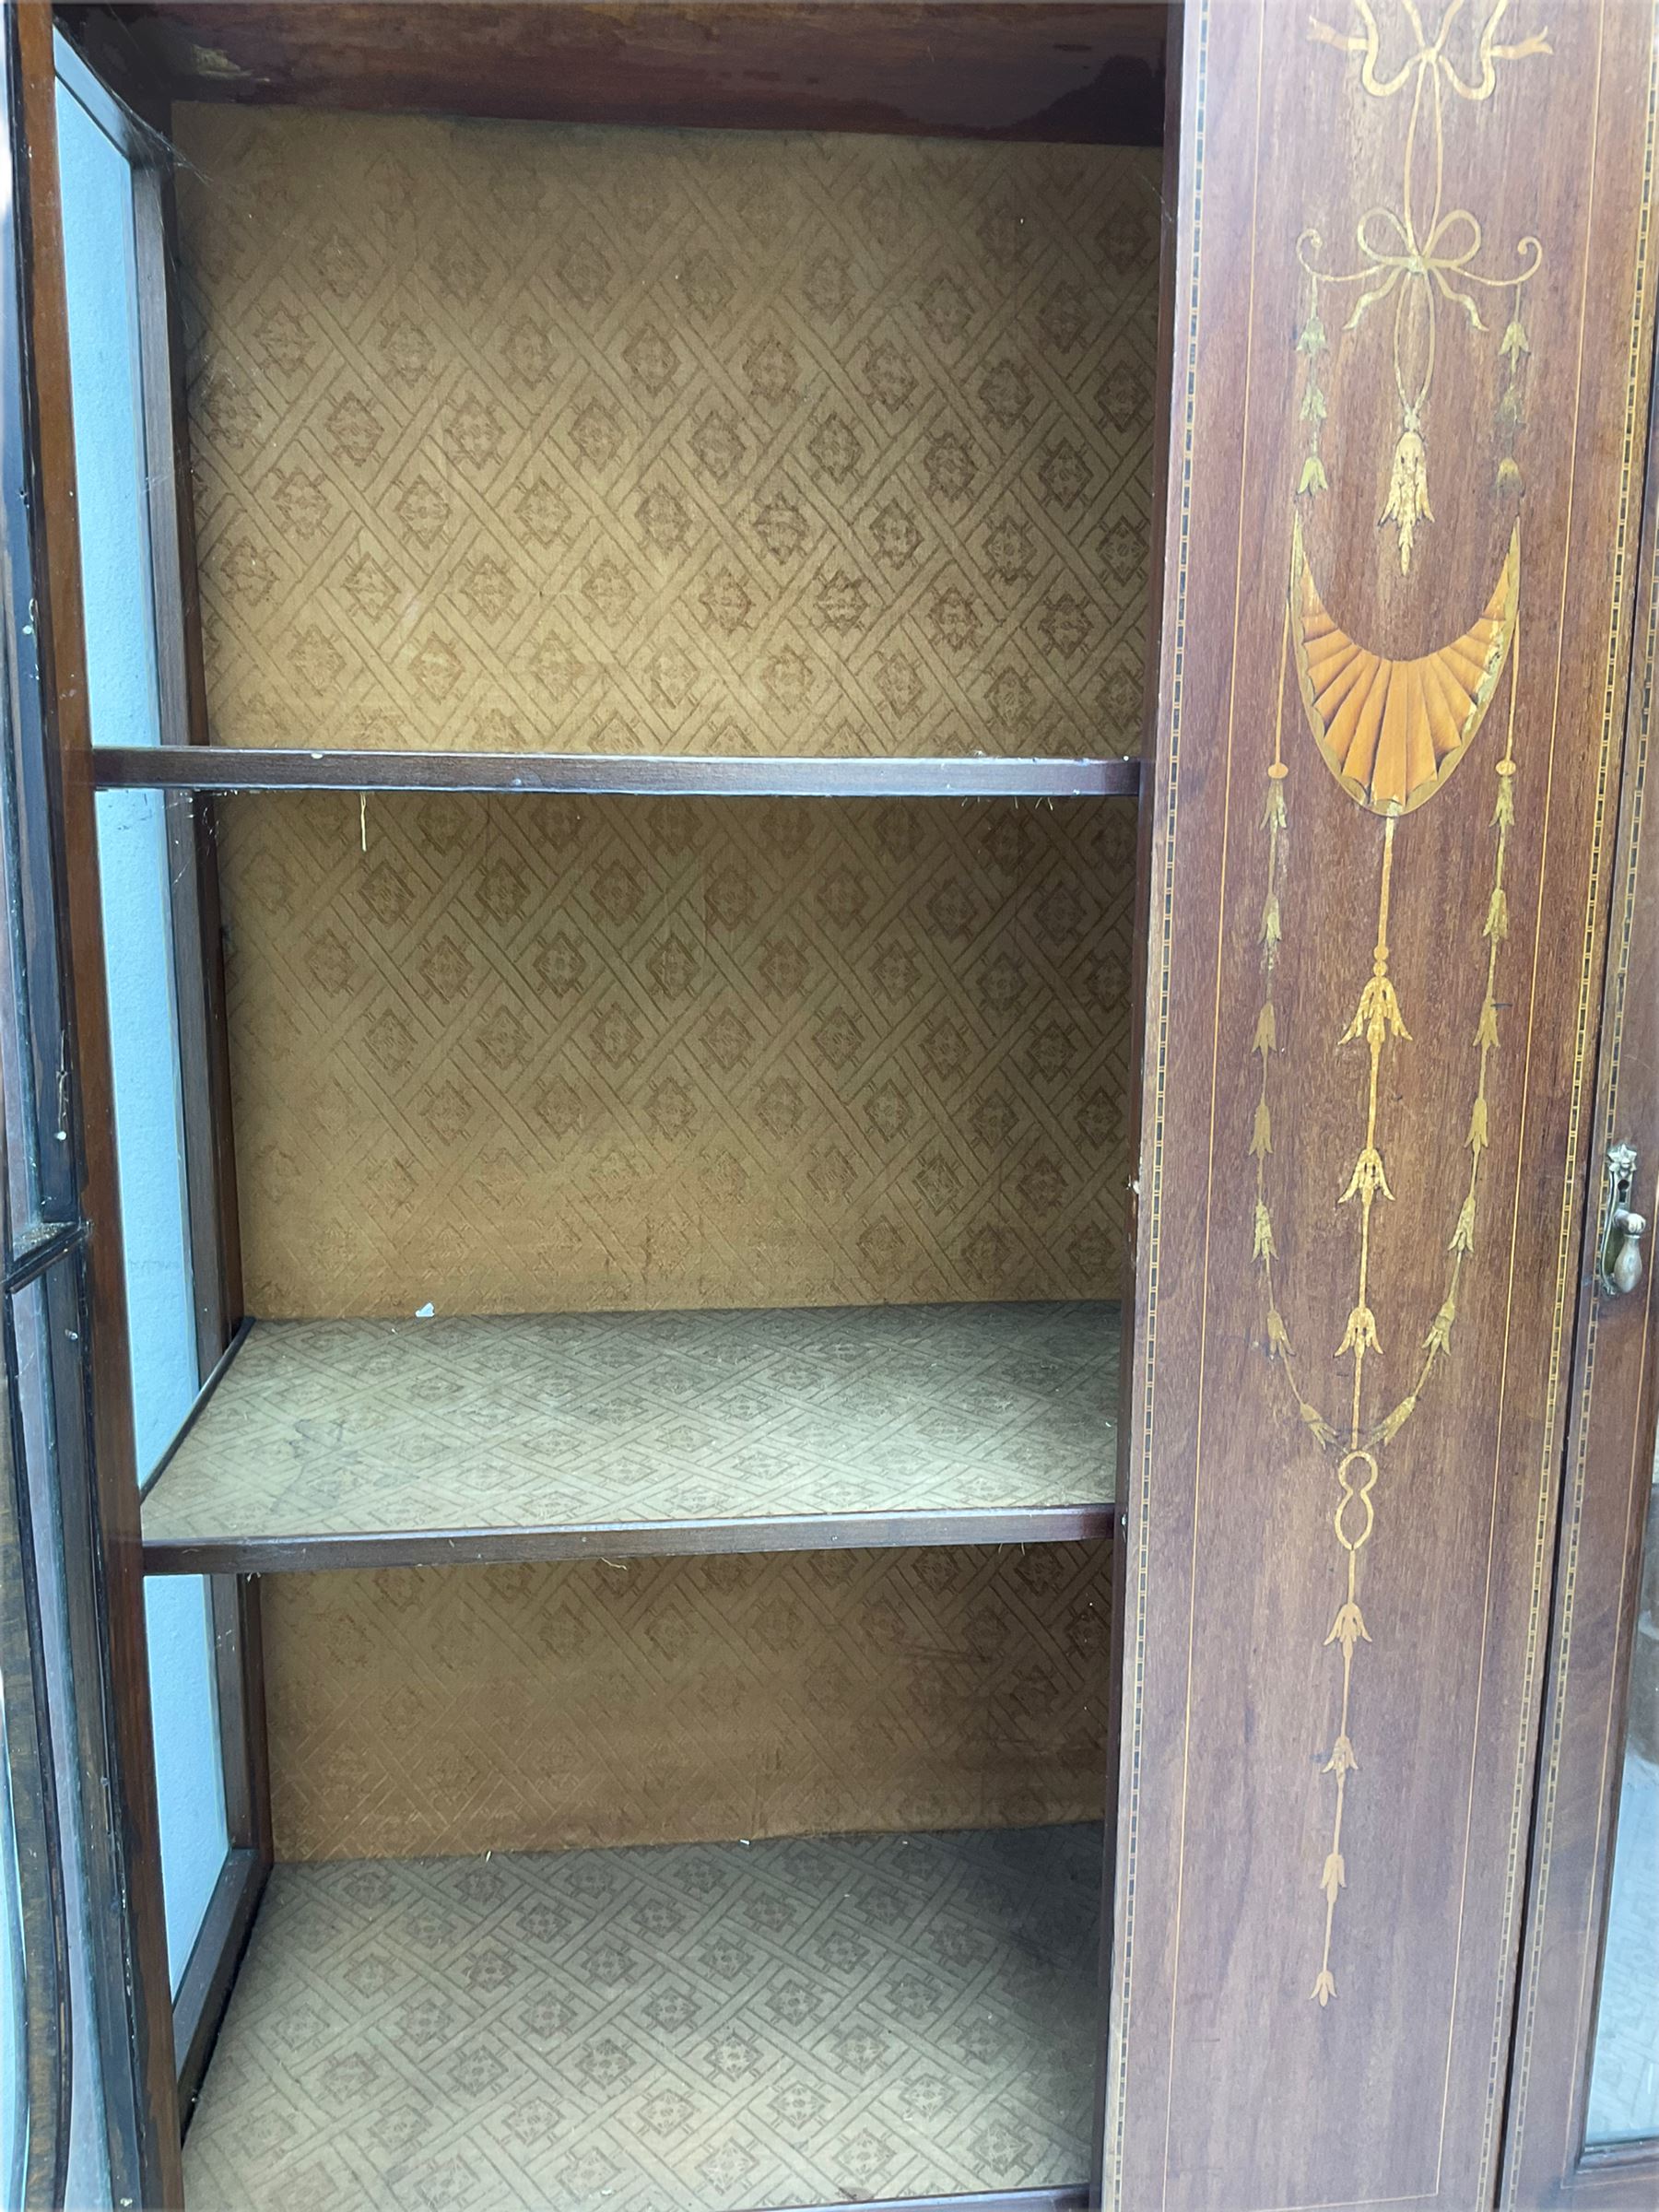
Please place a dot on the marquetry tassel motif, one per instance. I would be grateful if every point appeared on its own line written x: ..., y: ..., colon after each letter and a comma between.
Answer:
x: 1312, y: 342
x: 1378, y: 1023
x: 1408, y: 488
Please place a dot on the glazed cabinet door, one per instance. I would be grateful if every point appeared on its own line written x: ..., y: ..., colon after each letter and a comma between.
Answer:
x: 1412, y: 279
x: 72, y: 1524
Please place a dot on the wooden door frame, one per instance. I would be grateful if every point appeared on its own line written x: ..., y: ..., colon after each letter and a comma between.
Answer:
x: 98, y: 1499
x: 110, y: 82
x: 1606, y: 1489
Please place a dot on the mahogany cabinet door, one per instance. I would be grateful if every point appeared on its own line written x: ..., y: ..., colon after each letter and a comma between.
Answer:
x: 1412, y: 274
x: 1583, y: 2108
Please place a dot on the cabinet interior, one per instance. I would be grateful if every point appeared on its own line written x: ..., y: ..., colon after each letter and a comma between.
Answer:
x: 682, y: 1238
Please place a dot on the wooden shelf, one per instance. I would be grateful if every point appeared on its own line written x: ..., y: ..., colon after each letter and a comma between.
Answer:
x: 681, y: 2027
x: 625, y: 775
x: 379, y: 1444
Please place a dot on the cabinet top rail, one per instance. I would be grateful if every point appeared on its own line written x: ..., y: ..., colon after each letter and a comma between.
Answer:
x: 642, y: 776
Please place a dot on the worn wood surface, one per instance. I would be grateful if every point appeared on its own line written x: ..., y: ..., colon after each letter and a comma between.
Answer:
x: 41, y: 2054
x: 1599, y: 1569
x: 1125, y: 1600
x: 239, y: 1670
x: 1284, y: 1839
x: 1049, y: 69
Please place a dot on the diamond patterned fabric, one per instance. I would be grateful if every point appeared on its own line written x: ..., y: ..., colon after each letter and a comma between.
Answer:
x: 508, y: 436
x: 417, y: 1710
x: 693, y: 2029
x: 538, y: 1054
x: 582, y: 439
x: 535, y: 1420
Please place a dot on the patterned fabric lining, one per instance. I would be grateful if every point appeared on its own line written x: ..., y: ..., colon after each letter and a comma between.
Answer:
x: 692, y: 2028
x: 416, y: 1711
x: 336, y: 1426
x: 510, y: 436
x: 532, y: 1054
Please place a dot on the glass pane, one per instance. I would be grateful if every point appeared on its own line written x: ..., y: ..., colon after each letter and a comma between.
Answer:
x: 107, y: 374
x: 149, y: 1124
x: 190, y: 1782
x: 101, y: 266
x: 1624, y: 2082
x: 17, y: 1065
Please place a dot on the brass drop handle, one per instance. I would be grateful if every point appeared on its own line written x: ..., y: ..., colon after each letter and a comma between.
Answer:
x: 1626, y: 1271
x: 1618, y: 1263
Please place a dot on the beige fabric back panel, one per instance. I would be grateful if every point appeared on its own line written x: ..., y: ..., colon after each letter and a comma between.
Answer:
x: 469, y: 1709
x: 537, y: 1055
x: 507, y: 437
x: 532, y: 1054
x: 517, y: 436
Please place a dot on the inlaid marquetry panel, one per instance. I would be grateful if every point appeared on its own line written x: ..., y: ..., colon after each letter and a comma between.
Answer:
x: 511, y: 435
x: 681, y: 2031
x: 532, y: 1054
x: 1413, y: 295
x: 468, y: 1708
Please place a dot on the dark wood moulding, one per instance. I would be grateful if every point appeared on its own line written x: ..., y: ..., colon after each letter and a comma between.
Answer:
x: 627, y: 1540
x: 627, y: 775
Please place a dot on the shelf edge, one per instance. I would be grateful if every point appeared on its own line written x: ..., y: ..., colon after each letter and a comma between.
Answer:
x: 628, y: 1540
x: 218, y: 767
x: 220, y: 1368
